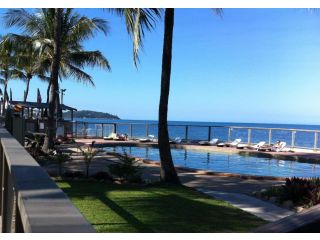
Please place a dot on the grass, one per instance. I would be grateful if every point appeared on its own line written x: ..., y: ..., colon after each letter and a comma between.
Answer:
x: 158, y: 208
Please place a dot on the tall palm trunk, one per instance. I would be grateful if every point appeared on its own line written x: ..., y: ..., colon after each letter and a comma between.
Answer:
x: 167, y: 170
x: 5, y: 94
x: 27, y: 90
x: 51, y: 130
x: 48, y: 92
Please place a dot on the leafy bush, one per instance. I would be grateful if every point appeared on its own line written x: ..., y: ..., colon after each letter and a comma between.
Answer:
x: 60, y: 159
x: 127, y: 169
x: 303, y: 190
x: 73, y: 174
x: 88, y: 153
x: 102, y: 176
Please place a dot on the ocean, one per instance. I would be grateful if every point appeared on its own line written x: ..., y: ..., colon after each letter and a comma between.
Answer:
x: 199, y: 131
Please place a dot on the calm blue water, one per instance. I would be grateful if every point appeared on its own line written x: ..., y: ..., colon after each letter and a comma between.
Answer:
x: 302, y: 139
x: 231, y: 163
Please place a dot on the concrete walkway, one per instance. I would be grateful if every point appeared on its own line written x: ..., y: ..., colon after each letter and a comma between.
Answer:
x: 259, y: 208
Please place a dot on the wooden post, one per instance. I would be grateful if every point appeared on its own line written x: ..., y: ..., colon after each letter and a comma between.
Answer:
x: 71, y: 115
x: 249, y: 135
x: 147, y: 129
x: 114, y: 128
x: 315, y: 141
x: 270, y: 136
x: 76, y: 129
x: 102, y: 130
x: 293, y: 138
x: 186, y: 133
x: 229, y: 134
x: 131, y: 130
x: 209, y: 133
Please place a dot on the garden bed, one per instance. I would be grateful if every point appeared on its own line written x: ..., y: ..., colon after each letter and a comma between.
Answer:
x: 296, y: 194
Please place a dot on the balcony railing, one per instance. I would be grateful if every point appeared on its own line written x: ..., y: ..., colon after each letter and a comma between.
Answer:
x: 29, y: 200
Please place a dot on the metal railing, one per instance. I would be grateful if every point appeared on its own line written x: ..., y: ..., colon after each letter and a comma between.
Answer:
x: 295, y: 138
x: 29, y: 200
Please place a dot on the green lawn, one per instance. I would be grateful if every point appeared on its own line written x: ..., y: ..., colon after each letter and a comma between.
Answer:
x: 160, y: 208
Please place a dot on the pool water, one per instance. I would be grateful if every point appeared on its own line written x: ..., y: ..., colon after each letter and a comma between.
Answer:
x: 227, y: 162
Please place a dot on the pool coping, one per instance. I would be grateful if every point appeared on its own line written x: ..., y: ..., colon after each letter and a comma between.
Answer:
x: 304, y: 157
x: 204, y: 172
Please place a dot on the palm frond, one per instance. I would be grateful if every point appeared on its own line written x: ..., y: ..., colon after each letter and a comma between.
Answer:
x: 77, y: 74
x: 137, y: 20
x: 89, y: 58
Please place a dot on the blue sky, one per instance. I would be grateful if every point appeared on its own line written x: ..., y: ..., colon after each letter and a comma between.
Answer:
x: 251, y: 65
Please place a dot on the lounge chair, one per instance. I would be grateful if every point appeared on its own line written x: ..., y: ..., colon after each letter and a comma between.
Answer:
x: 279, y: 147
x: 230, y: 144
x: 212, y: 142
x: 111, y: 136
x: 150, y: 138
x: 242, y: 146
x: 257, y: 146
x: 176, y: 140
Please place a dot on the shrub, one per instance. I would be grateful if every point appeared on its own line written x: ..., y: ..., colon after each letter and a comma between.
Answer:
x: 73, y: 174
x: 127, y: 169
x: 102, y: 176
x: 60, y: 159
x: 88, y: 153
x: 302, y: 190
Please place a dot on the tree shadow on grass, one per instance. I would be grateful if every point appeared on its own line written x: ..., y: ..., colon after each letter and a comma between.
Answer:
x: 165, y: 209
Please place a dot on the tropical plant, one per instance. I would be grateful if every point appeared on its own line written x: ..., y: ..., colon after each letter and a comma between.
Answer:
x: 88, y: 153
x: 137, y: 21
x: 7, y: 67
x: 27, y: 60
x: 59, y: 34
x: 60, y: 158
x: 127, y: 169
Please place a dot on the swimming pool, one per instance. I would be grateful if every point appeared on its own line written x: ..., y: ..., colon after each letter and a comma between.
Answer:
x: 227, y: 162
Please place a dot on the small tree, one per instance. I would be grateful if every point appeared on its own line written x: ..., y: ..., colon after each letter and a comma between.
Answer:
x: 88, y: 153
x: 61, y: 158
x: 127, y: 169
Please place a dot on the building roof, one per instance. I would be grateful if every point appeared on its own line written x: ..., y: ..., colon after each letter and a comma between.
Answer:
x: 40, y: 105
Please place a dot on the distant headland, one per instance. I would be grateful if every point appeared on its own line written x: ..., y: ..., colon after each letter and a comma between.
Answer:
x: 90, y: 114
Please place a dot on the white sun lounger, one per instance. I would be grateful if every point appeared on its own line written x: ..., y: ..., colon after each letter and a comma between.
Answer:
x: 280, y: 147
x: 212, y: 142
x: 232, y: 144
x: 257, y: 146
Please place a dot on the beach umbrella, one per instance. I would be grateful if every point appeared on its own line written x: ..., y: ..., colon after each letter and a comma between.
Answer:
x: 10, y: 95
x: 39, y: 99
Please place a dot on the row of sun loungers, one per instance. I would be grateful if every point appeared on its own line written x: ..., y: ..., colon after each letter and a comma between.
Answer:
x: 261, y: 146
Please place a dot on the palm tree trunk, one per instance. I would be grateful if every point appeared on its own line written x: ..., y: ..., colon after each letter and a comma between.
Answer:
x: 167, y: 170
x: 5, y: 94
x: 48, y: 91
x: 27, y: 90
x: 51, y: 130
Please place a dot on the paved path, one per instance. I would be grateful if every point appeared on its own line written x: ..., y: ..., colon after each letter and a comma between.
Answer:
x: 259, y: 208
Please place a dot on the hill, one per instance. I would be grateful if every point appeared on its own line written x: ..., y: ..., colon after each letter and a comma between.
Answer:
x: 90, y: 114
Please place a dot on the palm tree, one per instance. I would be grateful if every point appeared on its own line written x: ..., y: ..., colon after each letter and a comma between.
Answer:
x: 27, y: 60
x: 136, y: 20
x: 59, y: 34
x: 7, y: 67
x: 167, y: 171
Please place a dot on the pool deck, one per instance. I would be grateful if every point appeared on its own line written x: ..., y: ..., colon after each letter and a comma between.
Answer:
x: 295, y: 153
